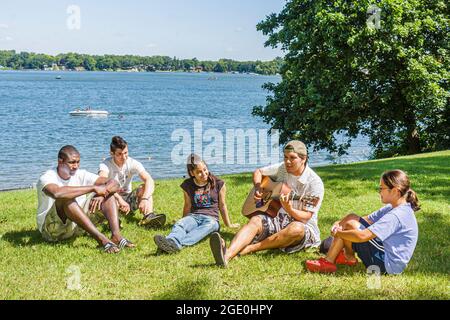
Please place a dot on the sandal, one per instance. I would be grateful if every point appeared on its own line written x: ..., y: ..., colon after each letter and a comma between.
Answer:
x: 218, y: 249
x: 109, y: 247
x: 125, y: 243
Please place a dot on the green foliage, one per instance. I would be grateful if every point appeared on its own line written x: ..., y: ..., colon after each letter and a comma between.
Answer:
x: 31, y: 268
x: 344, y: 76
x: 71, y: 61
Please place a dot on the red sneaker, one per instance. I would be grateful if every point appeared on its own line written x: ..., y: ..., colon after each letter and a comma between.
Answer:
x: 322, y: 265
x: 341, y: 259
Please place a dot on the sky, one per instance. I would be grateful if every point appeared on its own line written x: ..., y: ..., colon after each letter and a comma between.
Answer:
x: 204, y: 29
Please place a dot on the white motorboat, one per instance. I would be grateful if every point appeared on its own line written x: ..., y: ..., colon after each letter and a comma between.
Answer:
x: 89, y: 113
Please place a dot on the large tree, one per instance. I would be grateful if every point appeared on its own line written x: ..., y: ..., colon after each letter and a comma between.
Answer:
x: 378, y: 68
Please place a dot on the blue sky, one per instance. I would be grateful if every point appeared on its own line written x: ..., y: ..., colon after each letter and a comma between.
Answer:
x: 205, y: 29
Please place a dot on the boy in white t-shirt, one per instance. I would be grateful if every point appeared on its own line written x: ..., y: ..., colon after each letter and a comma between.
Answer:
x: 123, y: 168
x: 295, y: 226
x: 68, y: 198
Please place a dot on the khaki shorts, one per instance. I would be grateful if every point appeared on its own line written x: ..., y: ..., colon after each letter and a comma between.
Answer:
x: 55, y: 230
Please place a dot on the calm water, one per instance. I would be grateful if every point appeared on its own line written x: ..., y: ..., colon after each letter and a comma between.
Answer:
x: 145, y: 109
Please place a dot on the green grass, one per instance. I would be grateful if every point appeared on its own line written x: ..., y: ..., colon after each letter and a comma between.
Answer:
x: 33, y: 269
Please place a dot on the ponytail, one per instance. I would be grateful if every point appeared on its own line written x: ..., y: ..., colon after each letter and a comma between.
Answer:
x: 411, y: 197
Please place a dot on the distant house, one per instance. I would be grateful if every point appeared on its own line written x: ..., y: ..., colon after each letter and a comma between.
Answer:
x: 198, y: 69
x: 47, y: 68
x: 79, y: 69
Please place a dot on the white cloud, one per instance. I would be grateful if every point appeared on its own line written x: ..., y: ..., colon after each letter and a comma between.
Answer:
x: 4, y: 26
x: 239, y: 29
x: 7, y: 38
x: 230, y: 49
x: 151, y: 45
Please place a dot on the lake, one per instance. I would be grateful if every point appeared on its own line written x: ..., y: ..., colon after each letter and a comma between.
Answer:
x: 145, y: 108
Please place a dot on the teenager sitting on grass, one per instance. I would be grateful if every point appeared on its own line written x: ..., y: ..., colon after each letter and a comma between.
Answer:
x: 385, y: 239
x: 123, y: 168
x: 204, y: 196
x: 65, y: 210
x: 295, y: 226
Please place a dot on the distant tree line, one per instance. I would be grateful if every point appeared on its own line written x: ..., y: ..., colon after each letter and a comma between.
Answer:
x: 74, y: 61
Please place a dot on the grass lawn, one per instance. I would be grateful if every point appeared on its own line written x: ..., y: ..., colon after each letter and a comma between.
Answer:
x: 33, y: 269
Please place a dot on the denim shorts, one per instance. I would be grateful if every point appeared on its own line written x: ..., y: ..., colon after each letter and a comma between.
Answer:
x: 371, y: 252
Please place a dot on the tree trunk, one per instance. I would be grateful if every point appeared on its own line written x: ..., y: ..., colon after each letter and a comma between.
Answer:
x: 412, y: 135
x: 413, y: 141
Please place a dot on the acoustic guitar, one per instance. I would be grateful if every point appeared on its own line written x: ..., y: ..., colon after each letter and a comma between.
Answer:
x: 270, y: 203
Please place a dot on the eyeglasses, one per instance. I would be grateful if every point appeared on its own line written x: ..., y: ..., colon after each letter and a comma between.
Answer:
x: 381, y: 189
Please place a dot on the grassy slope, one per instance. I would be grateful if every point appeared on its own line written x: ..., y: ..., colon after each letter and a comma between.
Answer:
x: 31, y: 268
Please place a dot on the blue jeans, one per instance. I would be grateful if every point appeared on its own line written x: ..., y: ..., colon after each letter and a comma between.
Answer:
x: 193, y: 228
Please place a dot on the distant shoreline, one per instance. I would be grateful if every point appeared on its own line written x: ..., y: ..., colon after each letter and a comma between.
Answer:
x: 12, y: 60
x: 157, y: 71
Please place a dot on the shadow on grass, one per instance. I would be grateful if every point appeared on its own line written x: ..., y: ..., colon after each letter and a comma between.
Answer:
x: 211, y: 265
x: 30, y: 238
x: 186, y: 290
x: 435, y: 187
x: 226, y: 235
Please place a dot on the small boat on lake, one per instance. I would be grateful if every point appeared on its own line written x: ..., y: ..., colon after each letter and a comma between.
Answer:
x: 88, y: 112
x: 58, y: 78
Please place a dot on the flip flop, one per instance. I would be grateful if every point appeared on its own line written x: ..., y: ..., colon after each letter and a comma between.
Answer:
x: 110, y: 245
x: 218, y: 249
x: 125, y: 243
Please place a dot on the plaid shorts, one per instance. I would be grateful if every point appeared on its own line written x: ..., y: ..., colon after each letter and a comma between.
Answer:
x: 132, y: 199
x: 281, y: 221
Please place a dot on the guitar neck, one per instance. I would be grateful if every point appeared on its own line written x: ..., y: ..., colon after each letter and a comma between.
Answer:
x: 295, y: 197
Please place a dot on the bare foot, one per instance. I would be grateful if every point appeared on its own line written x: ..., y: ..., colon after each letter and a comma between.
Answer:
x: 350, y: 258
x: 245, y: 251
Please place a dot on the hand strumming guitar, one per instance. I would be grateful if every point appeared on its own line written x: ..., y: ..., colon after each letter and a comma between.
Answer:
x: 258, y: 193
x: 286, y: 202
